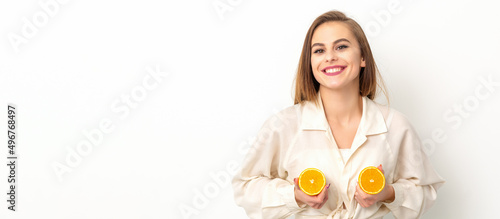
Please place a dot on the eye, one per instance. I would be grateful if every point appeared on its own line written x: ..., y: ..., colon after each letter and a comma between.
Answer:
x: 319, y: 51
x: 341, y: 47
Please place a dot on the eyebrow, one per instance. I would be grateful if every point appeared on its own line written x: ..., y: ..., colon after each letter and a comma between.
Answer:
x: 335, y: 42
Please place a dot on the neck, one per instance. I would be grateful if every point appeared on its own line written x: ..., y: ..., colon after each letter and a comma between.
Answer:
x: 341, y: 106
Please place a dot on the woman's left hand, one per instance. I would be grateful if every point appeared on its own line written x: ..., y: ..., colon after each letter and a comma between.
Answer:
x: 367, y: 200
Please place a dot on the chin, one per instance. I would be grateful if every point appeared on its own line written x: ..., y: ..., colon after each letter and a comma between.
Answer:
x: 332, y: 86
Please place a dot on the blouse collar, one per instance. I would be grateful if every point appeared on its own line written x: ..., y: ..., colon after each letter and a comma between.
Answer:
x: 372, y: 120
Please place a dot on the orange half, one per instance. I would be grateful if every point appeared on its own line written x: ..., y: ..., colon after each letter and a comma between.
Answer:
x: 371, y: 180
x: 312, y: 181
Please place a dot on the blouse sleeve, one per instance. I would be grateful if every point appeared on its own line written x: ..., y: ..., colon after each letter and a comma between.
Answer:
x: 261, y: 187
x: 415, y: 181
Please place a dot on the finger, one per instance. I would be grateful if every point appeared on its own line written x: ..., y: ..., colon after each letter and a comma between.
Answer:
x: 296, y: 182
x: 363, y: 205
x: 326, y: 197
x: 324, y: 191
x: 321, y: 196
x: 321, y: 205
x: 324, y: 200
x: 358, y: 189
x: 359, y: 201
x: 315, y: 206
x: 380, y: 168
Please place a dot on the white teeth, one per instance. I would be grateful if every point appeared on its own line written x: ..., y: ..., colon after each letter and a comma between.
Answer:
x: 333, y: 70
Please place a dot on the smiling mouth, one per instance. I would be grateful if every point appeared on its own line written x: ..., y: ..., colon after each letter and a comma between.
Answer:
x: 333, y: 70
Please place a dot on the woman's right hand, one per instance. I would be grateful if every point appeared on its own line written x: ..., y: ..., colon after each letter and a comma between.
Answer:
x: 315, y: 201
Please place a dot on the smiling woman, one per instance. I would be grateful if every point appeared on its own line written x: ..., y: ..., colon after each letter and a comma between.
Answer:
x: 349, y: 34
x: 338, y: 129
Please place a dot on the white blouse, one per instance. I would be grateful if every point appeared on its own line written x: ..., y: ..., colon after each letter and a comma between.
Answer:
x: 346, y: 153
x: 299, y: 137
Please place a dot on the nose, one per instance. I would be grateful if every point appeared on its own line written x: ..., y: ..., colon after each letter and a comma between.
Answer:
x: 330, y: 56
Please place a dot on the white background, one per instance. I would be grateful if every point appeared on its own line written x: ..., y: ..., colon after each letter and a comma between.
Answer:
x: 227, y: 72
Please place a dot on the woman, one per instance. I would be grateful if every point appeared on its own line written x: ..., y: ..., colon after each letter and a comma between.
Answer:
x: 336, y: 127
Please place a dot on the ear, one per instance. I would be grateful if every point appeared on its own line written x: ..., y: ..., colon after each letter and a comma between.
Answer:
x: 363, y: 63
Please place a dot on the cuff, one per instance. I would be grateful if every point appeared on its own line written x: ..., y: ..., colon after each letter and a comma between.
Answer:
x: 288, y: 196
x: 398, y: 197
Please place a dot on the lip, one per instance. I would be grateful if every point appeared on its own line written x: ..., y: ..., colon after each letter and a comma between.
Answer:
x: 334, y: 73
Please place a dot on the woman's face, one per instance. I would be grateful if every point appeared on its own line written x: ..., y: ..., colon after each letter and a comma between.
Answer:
x: 335, y: 56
